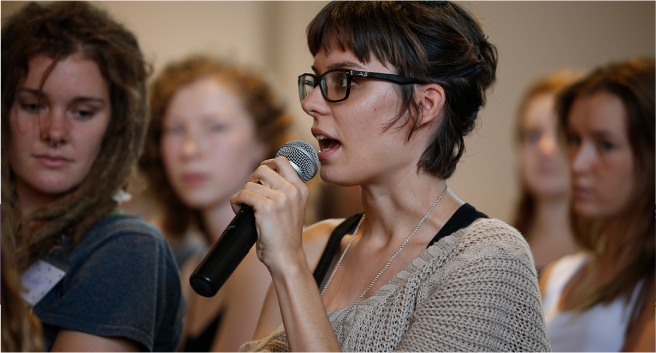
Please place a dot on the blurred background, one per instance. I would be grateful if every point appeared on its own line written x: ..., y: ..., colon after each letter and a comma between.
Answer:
x: 532, y: 37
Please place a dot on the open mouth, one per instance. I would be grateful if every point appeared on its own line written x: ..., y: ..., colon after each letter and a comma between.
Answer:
x: 326, y: 143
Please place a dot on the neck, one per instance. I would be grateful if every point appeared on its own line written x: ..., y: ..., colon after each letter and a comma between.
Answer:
x: 550, y: 236
x: 393, y: 211
x: 552, y: 217
x: 31, y: 200
x: 216, y: 219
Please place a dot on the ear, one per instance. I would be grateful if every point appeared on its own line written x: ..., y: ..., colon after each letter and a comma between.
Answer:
x: 430, y: 98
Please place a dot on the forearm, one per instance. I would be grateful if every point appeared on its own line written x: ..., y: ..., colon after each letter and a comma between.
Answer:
x: 303, y: 313
x: 68, y: 340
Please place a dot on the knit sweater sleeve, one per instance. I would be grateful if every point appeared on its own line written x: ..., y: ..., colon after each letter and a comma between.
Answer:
x: 484, y: 298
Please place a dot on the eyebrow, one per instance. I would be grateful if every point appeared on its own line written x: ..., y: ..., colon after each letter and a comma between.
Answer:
x: 341, y: 65
x: 605, y: 134
x: 34, y: 92
x: 39, y: 93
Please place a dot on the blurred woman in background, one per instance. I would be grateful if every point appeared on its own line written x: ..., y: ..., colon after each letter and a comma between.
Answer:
x: 212, y: 123
x: 602, y: 298
x: 542, y: 211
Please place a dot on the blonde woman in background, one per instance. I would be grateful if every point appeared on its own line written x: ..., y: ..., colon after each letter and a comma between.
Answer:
x: 212, y: 123
x: 542, y: 210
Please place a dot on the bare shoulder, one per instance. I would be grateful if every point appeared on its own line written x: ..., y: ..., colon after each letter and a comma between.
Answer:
x: 315, y: 238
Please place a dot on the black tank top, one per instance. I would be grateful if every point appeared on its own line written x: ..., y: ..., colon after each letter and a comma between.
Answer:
x: 462, y: 218
x: 203, y: 342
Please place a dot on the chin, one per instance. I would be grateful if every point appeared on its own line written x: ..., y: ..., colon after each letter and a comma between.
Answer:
x: 586, y: 210
x: 328, y: 178
x: 199, y: 202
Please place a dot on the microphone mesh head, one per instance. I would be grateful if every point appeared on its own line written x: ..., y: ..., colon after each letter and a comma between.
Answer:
x: 302, y: 157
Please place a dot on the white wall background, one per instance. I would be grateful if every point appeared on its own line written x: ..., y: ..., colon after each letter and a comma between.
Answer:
x: 533, y: 38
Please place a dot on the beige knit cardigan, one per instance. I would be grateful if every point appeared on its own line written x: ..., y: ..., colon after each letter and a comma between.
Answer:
x: 474, y: 290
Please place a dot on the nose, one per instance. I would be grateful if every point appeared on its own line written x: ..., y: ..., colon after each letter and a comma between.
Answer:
x: 54, y: 128
x: 190, y: 145
x: 548, y: 144
x: 581, y: 158
x: 314, y: 104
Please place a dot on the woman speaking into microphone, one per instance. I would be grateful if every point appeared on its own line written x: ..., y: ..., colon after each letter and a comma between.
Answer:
x: 393, y: 90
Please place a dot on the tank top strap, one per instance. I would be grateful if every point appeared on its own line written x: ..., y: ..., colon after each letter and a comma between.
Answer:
x: 332, y: 247
x: 462, y: 218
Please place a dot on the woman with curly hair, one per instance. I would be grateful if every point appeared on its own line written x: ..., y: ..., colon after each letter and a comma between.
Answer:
x: 73, y: 123
x: 212, y: 123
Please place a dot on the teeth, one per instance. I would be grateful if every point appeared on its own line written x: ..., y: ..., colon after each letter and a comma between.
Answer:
x: 321, y: 138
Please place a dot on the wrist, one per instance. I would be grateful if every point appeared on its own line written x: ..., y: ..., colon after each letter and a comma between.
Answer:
x: 288, y: 265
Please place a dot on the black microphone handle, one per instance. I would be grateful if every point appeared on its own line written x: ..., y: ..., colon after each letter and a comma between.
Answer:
x: 226, y: 254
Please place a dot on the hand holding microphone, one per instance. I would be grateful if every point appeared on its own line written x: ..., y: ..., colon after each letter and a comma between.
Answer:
x: 241, y: 234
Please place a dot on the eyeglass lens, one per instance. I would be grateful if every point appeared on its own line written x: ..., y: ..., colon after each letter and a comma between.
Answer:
x: 334, y: 85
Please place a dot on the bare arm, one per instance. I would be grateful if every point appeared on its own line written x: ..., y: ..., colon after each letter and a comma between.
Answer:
x: 302, y: 309
x: 244, y: 295
x: 279, y: 198
x: 76, y: 341
x: 315, y: 238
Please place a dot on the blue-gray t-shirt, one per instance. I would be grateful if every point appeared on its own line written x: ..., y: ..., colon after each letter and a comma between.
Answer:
x: 121, y: 281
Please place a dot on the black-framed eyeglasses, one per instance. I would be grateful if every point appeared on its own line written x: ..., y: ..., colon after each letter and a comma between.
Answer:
x: 336, y: 84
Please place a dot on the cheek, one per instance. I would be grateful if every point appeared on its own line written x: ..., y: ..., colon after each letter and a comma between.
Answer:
x: 23, y: 131
x: 625, y: 178
x: 616, y: 186
x: 169, y: 150
x: 237, y: 154
x: 527, y: 159
x: 92, y: 135
x: 14, y: 154
x: 93, y: 147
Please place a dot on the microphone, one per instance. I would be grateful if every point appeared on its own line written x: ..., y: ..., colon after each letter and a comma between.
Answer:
x: 240, y: 235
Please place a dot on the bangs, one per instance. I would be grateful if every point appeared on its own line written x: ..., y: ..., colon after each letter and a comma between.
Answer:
x: 357, y: 27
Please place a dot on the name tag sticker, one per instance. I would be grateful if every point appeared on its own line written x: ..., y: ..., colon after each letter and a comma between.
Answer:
x: 39, y: 279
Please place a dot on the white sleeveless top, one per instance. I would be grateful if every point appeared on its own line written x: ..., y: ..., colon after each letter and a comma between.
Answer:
x: 600, y: 328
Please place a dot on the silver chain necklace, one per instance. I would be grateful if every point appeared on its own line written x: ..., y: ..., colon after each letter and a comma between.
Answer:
x: 389, y: 262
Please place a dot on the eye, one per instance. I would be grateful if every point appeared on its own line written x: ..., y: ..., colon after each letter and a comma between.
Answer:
x: 84, y: 114
x: 173, y: 130
x: 308, y: 80
x: 32, y: 107
x: 217, y: 127
x: 532, y: 136
x: 342, y: 80
x: 338, y: 83
x: 605, y: 146
x: 84, y: 109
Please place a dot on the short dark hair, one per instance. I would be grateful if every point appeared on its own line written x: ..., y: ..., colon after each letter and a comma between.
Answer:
x: 432, y: 41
